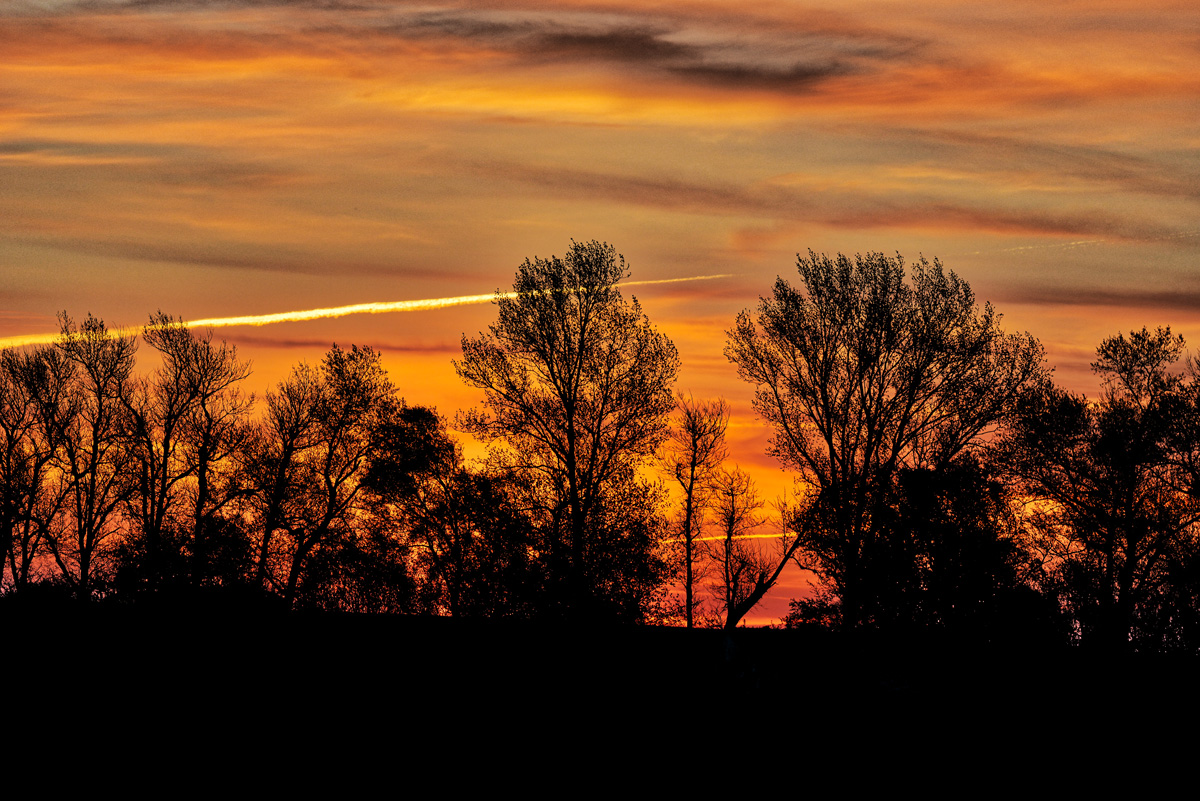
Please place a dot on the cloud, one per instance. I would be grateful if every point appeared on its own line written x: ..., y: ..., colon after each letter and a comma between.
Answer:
x: 741, y: 76
x: 1124, y: 297
x: 209, y: 5
x: 187, y: 166
x: 934, y: 213
x: 724, y: 53
x: 627, y: 45
x: 835, y: 207
x: 1161, y: 172
x: 656, y: 191
x: 258, y: 256
x: 719, y: 49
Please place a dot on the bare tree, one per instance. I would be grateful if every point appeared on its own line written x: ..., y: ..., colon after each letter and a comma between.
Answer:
x: 93, y: 453
x: 1118, y: 481
x: 219, y: 435
x: 35, y: 405
x: 322, y: 428
x: 747, y: 565
x: 578, y: 383
x: 283, y: 440
x: 694, y: 450
x: 468, y: 544
x: 156, y: 408
x: 185, y: 419
x: 860, y: 374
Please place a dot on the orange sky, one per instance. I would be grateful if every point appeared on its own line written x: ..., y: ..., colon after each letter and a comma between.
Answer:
x: 231, y: 158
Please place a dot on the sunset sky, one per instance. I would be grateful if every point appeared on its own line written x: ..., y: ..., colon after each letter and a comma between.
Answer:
x: 213, y: 159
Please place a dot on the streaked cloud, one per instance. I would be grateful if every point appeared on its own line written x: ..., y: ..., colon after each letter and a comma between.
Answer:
x: 839, y: 208
x: 1166, y: 302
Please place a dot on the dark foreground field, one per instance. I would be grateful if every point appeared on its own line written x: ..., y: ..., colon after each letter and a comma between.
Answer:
x: 416, y: 671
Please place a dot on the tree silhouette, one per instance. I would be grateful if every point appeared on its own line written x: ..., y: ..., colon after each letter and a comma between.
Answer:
x: 860, y: 374
x: 93, y: 456
x: 217, y: 434
x: 691, y: 455
x: 184, y: 419
x: 1116, y: 480
x: 952, y: 557
x: 285, y: 436
x: 577, y: 382
x: 743, y: 573
x: 467, y: 541
x: 36, y: 404
x: 321, y: 429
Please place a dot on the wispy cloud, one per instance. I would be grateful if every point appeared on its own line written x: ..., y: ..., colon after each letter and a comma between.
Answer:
x: 848, y: 207
x: 1126, y: 297
x: 722, y: 50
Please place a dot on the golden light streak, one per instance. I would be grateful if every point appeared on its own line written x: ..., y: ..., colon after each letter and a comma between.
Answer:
x: 20, y: 340
x: 428, y: 304
x: 742, y: 537
x: 717, y: 537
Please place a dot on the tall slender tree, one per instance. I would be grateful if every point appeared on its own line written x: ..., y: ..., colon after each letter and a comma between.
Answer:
x: 694, y: 450
x: 36, y: 404
x: 93, y: 456
x: 743, y: 572
x: 182, y: 420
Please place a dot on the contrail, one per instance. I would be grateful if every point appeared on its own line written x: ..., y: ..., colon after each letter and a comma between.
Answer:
x: 334, y: 311
x: 1055, y: 246
x: 1079, y: 243
x: 718, y: 537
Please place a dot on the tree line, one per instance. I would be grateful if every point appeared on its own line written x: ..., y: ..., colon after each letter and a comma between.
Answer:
x: 944, y: 482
